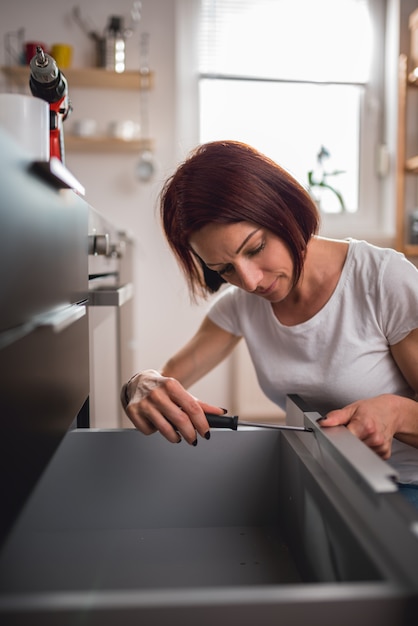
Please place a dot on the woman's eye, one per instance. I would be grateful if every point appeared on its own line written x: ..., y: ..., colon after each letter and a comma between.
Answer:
x: 228, y: 269
x: 257, y: 250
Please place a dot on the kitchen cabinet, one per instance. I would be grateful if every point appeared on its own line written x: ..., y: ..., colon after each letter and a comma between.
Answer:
x: 94, y: 78
x: 44, y: 359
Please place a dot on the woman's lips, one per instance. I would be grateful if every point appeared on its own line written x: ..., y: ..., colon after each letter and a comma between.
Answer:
x: 265, y: 291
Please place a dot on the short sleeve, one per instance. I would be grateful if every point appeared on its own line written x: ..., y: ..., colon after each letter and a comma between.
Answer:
x: 224, y: 311
x: 398, y: 287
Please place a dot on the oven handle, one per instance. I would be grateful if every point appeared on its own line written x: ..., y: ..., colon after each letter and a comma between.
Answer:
x: 60, y: 319
x: 56, y: 319
x: 111, y: 297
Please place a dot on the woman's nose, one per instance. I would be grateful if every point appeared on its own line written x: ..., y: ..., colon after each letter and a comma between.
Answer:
x: 249, y: 276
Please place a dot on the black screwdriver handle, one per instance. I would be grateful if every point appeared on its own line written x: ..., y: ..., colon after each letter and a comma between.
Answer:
x: 222, y: 421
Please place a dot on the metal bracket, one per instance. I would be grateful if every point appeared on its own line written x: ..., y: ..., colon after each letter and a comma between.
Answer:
x: 348, y: 451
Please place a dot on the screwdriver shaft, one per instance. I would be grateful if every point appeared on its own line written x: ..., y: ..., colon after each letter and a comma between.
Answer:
x: 276, y: 426
x: 231, y: 422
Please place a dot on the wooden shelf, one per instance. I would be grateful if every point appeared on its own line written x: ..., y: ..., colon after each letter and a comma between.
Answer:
x: 411, y: 250
x: 104, y: 144
x: 405, y: 166
x: 92, y: 77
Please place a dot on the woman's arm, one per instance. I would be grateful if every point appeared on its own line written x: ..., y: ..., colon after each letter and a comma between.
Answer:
x: 159, y: 401
x: 405, y: 354
x: 377, y: 420
x: 207, y: 348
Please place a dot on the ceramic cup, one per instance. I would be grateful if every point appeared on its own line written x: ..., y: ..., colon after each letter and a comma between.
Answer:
x: 124, y: 129
x: 84, y: 127
x: 63, y: 55
x: 30, y: 49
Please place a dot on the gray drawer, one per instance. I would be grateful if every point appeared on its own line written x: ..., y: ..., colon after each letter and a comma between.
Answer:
x: 130, y: 529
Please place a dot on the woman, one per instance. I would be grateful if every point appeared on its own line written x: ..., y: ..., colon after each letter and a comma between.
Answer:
x: 333, y: 321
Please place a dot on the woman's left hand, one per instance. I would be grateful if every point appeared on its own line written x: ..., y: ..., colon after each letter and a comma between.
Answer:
x: 374, y: 421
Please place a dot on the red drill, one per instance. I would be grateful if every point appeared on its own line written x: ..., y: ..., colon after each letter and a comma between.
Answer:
x: 49, y: 83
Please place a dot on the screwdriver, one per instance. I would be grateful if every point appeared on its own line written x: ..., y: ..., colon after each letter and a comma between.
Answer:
x: 231, y: 422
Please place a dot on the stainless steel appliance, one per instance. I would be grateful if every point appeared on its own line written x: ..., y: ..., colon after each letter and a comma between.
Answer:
x: 111, y: 327
x: 43, y: 320
x: 106, y: 526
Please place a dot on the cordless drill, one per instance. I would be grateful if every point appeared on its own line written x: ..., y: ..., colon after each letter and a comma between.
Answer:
x: 49, y: 83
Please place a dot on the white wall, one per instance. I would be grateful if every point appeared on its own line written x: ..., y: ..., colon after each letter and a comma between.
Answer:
x: 164, y: 317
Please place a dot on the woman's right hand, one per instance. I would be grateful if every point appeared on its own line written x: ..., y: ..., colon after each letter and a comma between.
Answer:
x: 159, y: 403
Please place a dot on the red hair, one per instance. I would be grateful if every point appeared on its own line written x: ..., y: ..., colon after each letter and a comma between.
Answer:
x: 227, y: 182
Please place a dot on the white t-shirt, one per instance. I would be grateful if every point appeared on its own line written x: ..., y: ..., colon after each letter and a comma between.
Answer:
x: 342, y: 353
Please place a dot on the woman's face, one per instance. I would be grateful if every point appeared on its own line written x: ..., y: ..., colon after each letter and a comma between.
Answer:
x: 248, y: 256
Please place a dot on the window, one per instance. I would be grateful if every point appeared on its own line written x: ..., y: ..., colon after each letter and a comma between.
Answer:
x: 311, y: 130
x: 297, y: 79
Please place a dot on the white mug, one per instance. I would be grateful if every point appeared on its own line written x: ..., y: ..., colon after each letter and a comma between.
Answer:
x: 26, y: 119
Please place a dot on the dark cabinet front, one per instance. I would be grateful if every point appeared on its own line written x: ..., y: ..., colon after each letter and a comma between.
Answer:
x: 44, y: 363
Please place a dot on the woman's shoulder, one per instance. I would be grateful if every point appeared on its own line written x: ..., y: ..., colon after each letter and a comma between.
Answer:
x: 235, y: 301
x: 359, y: 247
x: 231, y: 295
x: 369, y: 252
x: 233, y: 309
x: 382, y: 264
x: 368, y: 249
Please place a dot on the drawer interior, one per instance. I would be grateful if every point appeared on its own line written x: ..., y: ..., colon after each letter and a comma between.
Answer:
x: 117, y: 510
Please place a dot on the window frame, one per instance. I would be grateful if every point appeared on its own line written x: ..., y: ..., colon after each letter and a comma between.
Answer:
x: 371, y: 220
